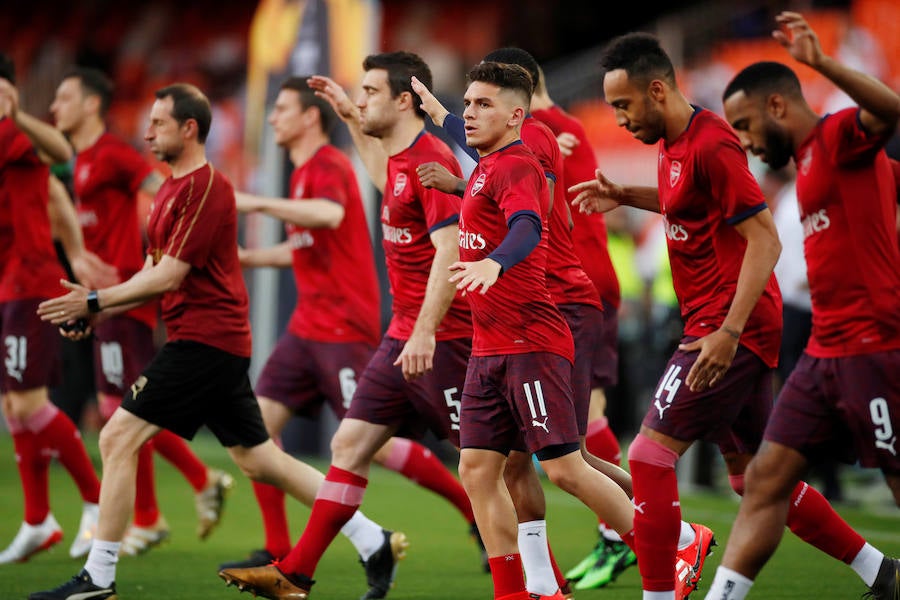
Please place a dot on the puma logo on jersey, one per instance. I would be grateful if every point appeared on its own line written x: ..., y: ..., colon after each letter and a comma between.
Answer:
x: 889, y: 446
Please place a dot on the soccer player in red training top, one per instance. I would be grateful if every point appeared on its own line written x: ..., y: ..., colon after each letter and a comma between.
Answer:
x: 108, y: 175
x: 518, y: 393
x: 723, y: 247
x: 576, y: 297
x: 610, y: 555
x: 843, y: 397
x: 414, y: 379
x: 200, y: 376
x: 29, y: 273
x: 335, y: 326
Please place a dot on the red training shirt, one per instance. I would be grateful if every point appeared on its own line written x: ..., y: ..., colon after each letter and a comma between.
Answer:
x: 517, y: 314
x: 705, y: 187
x: 334, y: 269
x: 194, y: 219
x: 31, y: 268
x: 107, y: 178
x: 848, y: 203
x: 589, y: 232
x: 409, y: 213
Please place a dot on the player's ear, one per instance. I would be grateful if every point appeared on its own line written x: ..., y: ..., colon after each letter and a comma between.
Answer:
x: 518, y: 115
x: 405, y: 101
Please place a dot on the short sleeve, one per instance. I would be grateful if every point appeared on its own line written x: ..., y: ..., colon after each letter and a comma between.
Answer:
x: 846, y: 142
x: 731, y: 184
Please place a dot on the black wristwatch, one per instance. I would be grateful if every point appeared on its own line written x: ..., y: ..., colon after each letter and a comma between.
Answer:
x: 92, y: 302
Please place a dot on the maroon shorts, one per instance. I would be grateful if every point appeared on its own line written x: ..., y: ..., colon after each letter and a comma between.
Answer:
x: 303, y: 374
x: 846, y: 408
x: 605, y: 366
x: 732, y: 413
x: 518, y: 402
x: 31, y: 347
x: 123, y: 347
x: 430, y: 402
x: 586, y: 324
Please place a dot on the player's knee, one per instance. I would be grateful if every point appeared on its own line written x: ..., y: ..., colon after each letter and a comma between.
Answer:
x: 649, y: 451
x: 561, y: 463
x: 737, y: 483
x: 116, y: 442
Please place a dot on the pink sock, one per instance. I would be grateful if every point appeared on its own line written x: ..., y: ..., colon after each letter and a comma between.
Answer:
x: 419, y: 464
x: 338, y: 498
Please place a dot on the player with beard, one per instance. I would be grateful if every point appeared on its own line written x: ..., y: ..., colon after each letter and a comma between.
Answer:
x: 842, y: 400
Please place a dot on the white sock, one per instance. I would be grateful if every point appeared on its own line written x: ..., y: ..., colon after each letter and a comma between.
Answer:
x: 366, y: 535
x: 659, y: 595
x: 867, y: 563
x: 101, y: 562
x: 608, y: 533
x: 687, y: 536
x: 539, y: 576
x: 729, y: 585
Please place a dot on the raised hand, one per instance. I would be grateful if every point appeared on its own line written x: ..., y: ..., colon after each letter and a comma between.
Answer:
x: 327, y: 88
x: 597, y: 195
x: 431, y: 105
x: 798, y: 38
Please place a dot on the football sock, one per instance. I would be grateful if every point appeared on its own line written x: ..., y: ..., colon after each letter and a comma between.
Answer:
x: 56, y: 432
x: 101, y: 562
x: 813, y: 520
x: 339, y: 496
x: 419, y: 464
x: 729, y: 585
x: 686, y: 537
x: 177, y: 451
x: 366, y: 535
x: 557, y: 572
x: 34, y: 470
x: 506, y: 572
x: 867, y: 563
x: 146, y: 509
x: 274, y: 515
x: 602, y: 442
x: 657, y: 516
x: 535, y: 556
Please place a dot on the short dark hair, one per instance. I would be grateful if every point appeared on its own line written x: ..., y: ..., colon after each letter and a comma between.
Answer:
x: 7, y: 68
x: 94, y: 82
x: 765, y: 78
x: 309, y: 99
x: 640, y: 55
x: 401, y: 67
x: 505, y: 76
x: 516, y: 56
x: 188, y: 102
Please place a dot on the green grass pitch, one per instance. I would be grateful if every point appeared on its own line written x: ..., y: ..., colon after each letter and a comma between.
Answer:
x: 442, y: 562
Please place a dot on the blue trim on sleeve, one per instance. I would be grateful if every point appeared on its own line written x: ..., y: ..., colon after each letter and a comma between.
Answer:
x: 524, y: 235
x: 441, y: 224
x: 746, y: 214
